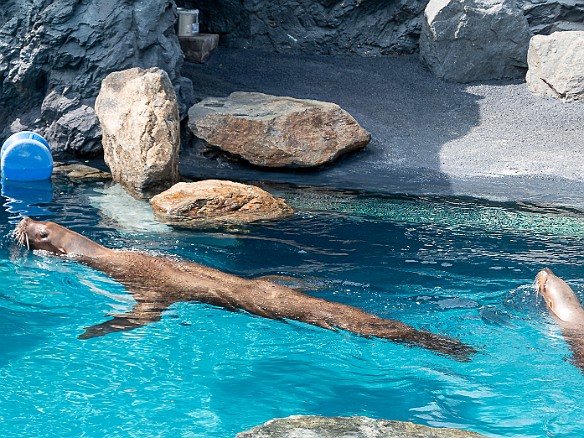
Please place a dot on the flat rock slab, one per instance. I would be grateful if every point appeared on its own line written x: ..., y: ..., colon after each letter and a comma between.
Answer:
x: 556, y: 65
x: 273, y: 131
x: 354, y: 427
x: 214, y: 203
x: 80, y: 172
x: 198, y: 48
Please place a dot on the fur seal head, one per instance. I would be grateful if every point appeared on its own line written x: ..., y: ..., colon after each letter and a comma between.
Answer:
x: 54, y: 238
x: 559, y: 298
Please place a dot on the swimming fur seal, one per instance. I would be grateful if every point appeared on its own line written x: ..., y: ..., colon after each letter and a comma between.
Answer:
x: 158, y: 282
x: 564, y: 306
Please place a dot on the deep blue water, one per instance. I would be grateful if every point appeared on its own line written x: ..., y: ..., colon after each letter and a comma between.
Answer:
x: 459, y: 267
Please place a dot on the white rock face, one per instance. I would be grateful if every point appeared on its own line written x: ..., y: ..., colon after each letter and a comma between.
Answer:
x: 473, y: 40
x: 556, y: 65
x: 139, y: 118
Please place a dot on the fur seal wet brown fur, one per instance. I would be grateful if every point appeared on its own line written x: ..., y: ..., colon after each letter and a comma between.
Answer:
x: 158, y: 282
x: 566, y: 309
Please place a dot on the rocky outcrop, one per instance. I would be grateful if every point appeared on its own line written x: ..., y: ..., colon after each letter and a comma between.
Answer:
x: 139, y: 119
x: 56, y: 53
x: 369, y: 28
x: 556, y: 65
x: 548, y: 16
x: 71, y: 124
x: 214, y: 203
x: 472, y: 40
x: 275, y: 131
x: 355, y: 427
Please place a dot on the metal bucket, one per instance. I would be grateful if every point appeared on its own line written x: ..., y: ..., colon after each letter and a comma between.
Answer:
x: 188, y: 22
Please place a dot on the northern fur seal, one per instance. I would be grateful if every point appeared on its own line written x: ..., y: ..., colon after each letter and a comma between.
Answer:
x: 564, y: 306
x: 157, y: 282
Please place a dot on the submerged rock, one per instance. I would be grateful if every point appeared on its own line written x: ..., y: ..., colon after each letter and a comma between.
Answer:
x: 139, y: 119
x: 214, y: 203
x: 471, y: 40
x: 556, y: 65
x: 354, y: 427
x: 275, y: 131
x: 80, y: 172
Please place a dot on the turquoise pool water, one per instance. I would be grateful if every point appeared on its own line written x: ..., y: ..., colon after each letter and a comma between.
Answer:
x: 460, y: 267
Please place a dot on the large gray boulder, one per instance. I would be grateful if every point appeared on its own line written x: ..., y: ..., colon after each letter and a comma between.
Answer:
x: 139, y: 119
x: 556, y: 65
x: 310, y: 426
x: 62, y: 49
x: 474, y: 40
x: 274, y: 131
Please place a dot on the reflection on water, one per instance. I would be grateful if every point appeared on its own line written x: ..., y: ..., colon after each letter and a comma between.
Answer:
x: 459, y: 267
x: 27, y: 197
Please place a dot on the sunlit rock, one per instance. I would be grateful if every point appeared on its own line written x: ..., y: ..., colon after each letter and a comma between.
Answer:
x: 275, y: 131
x: 139, y: 120
x: 214, y: 203
x: 355, y: 427
x: 556, y: 65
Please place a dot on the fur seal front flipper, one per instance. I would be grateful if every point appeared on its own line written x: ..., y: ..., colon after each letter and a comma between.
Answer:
x: 158, y: 282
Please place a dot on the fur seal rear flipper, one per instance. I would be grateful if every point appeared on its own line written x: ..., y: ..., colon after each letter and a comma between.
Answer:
x: 158, y: 282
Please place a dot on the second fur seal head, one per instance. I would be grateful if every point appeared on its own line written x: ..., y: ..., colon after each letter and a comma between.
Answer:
x: 559, y: 298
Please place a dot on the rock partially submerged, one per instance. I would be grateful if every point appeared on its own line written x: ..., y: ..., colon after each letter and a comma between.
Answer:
x: 556, y: 65
x: 215, y: 203
x: 80, y: 172
x: 354, y: 427
x: 275, y: 131
x: 472, y: 40
x: 139, y: 118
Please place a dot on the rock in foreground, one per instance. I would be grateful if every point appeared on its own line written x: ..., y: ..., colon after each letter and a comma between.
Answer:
x: 354, y: 427
x: 275, y: 131
x: 139, y: 118
x: 472, y: 40
x: 556, y: 65
x: 214, y: 203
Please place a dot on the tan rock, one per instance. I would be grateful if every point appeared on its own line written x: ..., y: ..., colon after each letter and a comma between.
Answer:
x: 215, y: 203
x: 275, y: 131
x: 139, y: 118
x: 357, y: 427
x: 556, y: 65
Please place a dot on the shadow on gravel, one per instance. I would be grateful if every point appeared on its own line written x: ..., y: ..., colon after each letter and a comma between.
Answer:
x: 409, y: 113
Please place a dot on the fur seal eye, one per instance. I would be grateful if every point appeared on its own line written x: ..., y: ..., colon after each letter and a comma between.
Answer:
x: 44, y: 234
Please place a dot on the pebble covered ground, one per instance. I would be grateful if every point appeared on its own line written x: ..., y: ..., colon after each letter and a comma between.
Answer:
x: 493, y: 140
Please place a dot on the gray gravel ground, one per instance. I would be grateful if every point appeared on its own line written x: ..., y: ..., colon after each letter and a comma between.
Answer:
x: 493, y: 140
